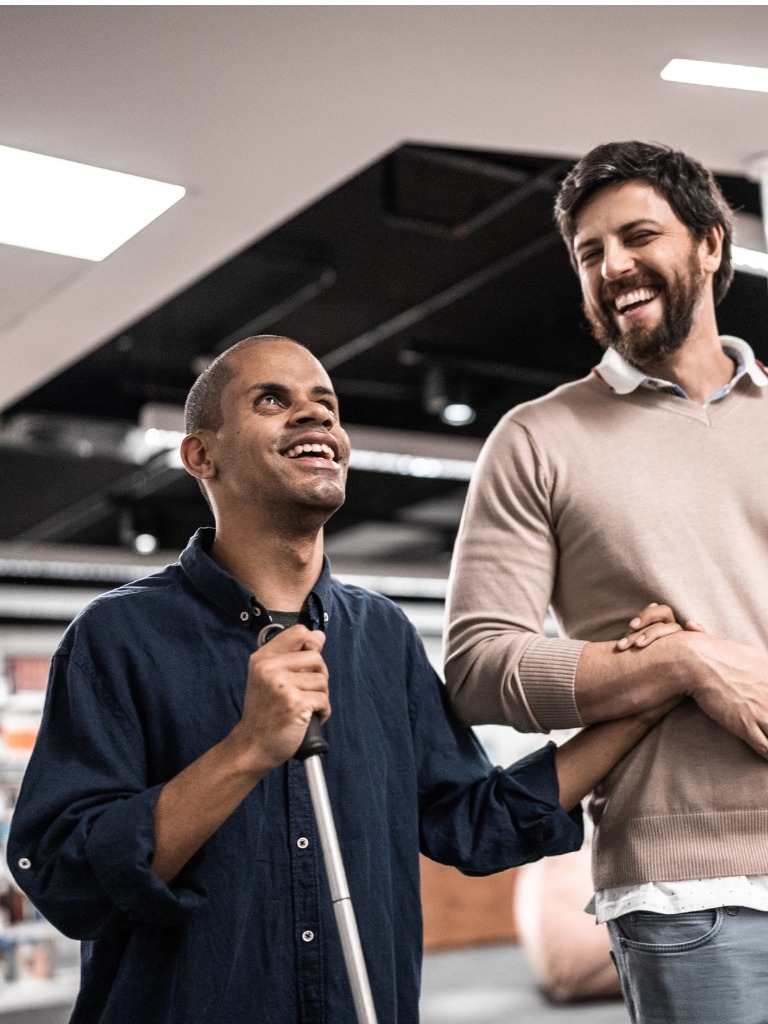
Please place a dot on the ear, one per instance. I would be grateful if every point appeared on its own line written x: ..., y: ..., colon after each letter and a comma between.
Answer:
x: 196, y: 454
x: 711, y: 248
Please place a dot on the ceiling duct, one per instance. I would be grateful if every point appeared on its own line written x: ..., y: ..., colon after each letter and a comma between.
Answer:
x: 444, y: 191
x: 81, y: 436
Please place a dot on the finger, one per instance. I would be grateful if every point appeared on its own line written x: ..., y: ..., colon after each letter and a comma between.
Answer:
x: 758, y: 740
x: 302, y: 673
x: 644, y: 637
x: 655, y: 631
x: 315, y: 703
x: 296, y: 638
x: 652, y: 612
x: 267, y: 662
x: 694, y: 627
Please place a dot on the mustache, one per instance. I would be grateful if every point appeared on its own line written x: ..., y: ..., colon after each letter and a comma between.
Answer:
x: 613, y: 288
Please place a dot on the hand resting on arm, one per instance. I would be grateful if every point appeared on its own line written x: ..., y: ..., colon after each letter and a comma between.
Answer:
x: 583, y: 760
x: 728, y: 680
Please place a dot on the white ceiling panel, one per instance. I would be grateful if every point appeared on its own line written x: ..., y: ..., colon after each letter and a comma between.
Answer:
x: 257, y: 110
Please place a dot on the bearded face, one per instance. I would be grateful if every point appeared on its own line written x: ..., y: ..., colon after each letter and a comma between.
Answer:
x: 641, y: 341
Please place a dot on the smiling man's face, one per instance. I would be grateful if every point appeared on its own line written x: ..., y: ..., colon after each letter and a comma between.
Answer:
x: 281, y: 446
x: 642, y: 273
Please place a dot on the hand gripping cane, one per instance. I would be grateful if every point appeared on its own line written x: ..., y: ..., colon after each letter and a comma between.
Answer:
x: 311, y: 750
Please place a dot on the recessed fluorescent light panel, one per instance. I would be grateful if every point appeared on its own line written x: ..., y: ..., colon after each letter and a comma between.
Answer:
x: 74, y: 209
x: 724, y: 76
x: 750, y: 261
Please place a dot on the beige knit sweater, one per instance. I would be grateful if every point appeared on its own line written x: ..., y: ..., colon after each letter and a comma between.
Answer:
x: 598, y: 504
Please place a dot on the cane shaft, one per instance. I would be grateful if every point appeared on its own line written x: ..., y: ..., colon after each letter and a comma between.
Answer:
x: 342, y: 904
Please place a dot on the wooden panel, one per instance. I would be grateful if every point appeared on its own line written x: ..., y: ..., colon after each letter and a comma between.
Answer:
x: 462, y: 911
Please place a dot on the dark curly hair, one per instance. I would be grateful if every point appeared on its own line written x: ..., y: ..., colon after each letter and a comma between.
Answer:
x: 688, y: 187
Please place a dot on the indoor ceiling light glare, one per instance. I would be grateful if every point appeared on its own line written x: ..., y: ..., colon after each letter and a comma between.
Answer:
x: 73, y: 209
x: 401, y: 464
x: 723, y: 76
x: 458, y: 414
x: 158, y: 439
x: 146, y: 543
x: 750, y: 260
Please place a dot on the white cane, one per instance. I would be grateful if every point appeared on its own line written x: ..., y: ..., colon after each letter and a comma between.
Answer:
x: 310, y: 752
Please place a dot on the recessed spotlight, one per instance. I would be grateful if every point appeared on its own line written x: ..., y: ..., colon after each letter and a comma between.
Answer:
x: 723, y: 76
x: 458, y: 414
x: 73, y: 209
x: 145, y: 543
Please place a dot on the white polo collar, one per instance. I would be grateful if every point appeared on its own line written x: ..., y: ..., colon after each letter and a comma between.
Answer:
x: 623, y: 378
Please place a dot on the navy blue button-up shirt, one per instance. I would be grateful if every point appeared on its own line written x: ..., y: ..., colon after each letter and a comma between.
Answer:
x: 152, y: 675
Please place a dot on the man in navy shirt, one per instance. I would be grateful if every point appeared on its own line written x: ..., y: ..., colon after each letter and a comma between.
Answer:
x: 163, y: 820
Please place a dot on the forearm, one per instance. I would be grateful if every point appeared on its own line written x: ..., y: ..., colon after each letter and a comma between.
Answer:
x: 196, y: 802
x: 585, y: 759
x: 287, y: 683
x: 611, y: 683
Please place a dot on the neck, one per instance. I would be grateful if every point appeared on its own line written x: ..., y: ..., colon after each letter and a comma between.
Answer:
x: 699, y: 366
x: 279, y: 570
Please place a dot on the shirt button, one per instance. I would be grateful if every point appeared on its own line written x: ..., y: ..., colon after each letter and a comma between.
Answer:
x: 302, y: 843
x: 25, y: 863
x: 326, y: 616
x: 245, y: 616
x: 307, y: 936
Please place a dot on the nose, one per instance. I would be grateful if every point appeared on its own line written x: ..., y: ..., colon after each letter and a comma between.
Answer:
x: 312, y: 411
x: 617, y: 261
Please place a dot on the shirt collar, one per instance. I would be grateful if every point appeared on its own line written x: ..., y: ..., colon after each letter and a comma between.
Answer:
x: 231, y: 597
x: 623, y: 378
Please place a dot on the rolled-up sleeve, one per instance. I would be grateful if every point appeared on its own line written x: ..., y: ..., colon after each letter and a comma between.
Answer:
x: 473, y: 816
x: 82, y: 835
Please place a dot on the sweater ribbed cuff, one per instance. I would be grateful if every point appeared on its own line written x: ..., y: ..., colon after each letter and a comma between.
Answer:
x: 547, y: 674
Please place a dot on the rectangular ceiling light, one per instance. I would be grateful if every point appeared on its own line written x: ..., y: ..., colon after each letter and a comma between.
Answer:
x: 74, y: 209
x: 724, y: 76
x: 750, y: 261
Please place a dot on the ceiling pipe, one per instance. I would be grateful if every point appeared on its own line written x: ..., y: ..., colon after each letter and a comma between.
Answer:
x: 409, y: 318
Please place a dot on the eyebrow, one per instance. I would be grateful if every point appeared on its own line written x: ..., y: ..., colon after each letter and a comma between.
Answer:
x: 319, y: 391
x: 630, y: 226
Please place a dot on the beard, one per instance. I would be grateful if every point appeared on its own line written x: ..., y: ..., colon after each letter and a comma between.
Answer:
x: 645, y: 345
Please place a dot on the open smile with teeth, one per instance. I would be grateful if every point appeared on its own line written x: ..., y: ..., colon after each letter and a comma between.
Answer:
x: 635, y: 298
x: 316, y: 451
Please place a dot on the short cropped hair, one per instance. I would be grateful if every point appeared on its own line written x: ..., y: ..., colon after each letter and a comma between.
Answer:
x: 688, y: 187
x: 202, y: 410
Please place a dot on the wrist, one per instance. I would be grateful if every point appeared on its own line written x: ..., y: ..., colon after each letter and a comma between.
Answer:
x: 245, y: 758
x: 687, y: 662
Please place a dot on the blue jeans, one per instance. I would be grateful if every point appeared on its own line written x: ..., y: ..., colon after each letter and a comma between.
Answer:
x: 706, y: 967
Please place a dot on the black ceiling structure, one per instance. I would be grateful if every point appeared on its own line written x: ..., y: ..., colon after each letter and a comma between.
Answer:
x: 432, y: 268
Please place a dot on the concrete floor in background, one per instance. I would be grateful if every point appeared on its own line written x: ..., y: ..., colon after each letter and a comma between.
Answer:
x: 493, y: 985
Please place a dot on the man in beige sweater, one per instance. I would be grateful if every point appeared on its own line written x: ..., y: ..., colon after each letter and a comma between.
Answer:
x: 645, y: 481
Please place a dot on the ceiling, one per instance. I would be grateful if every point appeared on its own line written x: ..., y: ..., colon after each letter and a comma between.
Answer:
x: 376, y: 182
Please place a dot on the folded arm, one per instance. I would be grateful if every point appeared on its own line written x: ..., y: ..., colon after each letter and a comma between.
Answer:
x: 728, y: 680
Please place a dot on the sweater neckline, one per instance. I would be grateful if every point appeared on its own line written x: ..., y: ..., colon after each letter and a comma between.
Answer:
x: 666, y: 402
